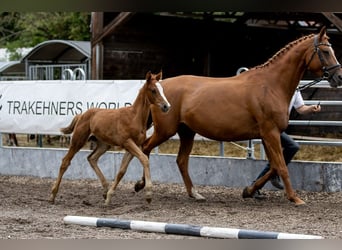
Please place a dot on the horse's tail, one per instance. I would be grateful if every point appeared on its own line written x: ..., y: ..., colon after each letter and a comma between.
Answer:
x: 69, y: 129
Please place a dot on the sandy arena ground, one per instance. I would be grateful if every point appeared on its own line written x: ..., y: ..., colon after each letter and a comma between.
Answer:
x: 27, y: 214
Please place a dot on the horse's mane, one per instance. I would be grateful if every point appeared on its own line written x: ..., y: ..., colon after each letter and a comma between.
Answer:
x: 283, y: 50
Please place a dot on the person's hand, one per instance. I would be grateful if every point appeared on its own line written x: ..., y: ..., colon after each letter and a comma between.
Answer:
x: 315, y: 108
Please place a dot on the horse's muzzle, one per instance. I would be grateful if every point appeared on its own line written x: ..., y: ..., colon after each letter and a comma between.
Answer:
x: 336, y: 79
x: 165, y: 107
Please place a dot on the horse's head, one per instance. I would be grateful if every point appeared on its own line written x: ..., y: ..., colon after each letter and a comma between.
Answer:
x: 155, y: 92
x: 322, y: 60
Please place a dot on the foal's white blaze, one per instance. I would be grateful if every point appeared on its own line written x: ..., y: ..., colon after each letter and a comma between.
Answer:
x: 161, y: 91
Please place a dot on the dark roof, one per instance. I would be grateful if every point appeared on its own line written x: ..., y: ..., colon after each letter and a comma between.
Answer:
x: 278, y: 20
x: 12, y: 68
x: 59, y: 51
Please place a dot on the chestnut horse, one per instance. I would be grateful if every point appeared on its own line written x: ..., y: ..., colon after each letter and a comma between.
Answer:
x: 253, y: 104
x: 124, y: 127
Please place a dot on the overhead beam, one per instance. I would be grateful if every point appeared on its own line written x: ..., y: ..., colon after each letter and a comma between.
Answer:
x: 334, y: 19
x: 108, y: 29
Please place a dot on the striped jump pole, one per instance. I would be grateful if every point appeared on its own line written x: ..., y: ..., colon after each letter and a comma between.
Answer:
x: 183, y: 229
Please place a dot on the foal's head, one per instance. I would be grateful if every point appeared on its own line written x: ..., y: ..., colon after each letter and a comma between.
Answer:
x: 154, y: 91
x: 322, y: 60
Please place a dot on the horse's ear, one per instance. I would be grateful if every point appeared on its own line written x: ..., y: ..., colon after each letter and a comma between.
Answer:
x: 160, y: 75
x: 148, y: 75
x: 322, y: 33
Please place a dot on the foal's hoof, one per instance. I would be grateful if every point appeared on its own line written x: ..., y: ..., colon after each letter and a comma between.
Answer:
x: 52, y: 199
x: 148, y: 197
x: 246, y: 193
x: 104, y: 194
x: 138, y: 186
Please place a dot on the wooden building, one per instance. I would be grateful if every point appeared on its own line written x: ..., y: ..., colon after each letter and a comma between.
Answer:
x: 125, y: 44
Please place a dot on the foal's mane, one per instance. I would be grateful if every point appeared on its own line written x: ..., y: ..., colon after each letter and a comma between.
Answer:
x: 283, y: 51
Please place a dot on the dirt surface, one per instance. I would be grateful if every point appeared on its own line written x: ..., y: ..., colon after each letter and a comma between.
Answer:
x: 26, y: 213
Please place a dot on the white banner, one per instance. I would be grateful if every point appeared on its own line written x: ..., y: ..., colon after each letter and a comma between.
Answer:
x: 43, y: 107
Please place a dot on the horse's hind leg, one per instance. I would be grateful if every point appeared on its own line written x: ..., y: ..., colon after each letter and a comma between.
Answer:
x: 123, y: 168
x: 100, y: 149
x: 186, y: 136
x: 79, y: 138
x: 74, y: 148
x: 249, y: 191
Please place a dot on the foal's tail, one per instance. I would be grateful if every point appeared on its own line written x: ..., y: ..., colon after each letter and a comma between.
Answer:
x: 70, y: 128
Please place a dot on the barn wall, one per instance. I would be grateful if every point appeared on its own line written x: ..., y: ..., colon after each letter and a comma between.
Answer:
x: 188, y: 46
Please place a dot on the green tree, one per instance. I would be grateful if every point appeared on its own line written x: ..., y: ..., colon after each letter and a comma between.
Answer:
x: 19, y: 30
x: 9, y: 31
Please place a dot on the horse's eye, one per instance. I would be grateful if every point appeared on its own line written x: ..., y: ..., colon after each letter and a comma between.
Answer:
x: 326, y: 52
x: 154, y: 91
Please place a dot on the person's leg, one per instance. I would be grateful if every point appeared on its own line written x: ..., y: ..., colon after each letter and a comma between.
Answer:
x: 290, y: 147
x: 264, y: 171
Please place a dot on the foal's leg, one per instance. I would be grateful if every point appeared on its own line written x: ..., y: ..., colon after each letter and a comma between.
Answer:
x: 136, y: 151
x: 77, y: 143
x: 149, y: 144
x: 186, y: 137
x: 123, y: 168
x: 100, y: 149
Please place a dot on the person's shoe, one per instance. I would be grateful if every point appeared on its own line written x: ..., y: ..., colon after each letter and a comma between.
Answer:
x: 259, y: 196
x: 275, y: 181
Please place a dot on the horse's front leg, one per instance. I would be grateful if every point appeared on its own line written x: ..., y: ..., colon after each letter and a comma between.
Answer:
x: 149, y: 144
x: 278, y: 165
x: 136, y: 151
x: 139, y: 185
x: 186, y: 137
x: 122, y: 171
x: 274, y: 153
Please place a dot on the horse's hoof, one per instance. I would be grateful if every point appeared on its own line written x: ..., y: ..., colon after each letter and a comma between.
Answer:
x: 138, y: 186
x: 104, y: 195
x: 299, y: 202
x: 246, y: 193
x: 148, y: 196
x: 197, y: 196
x: 103, y: 205
x: 106, y: 203
x: 52, y: 199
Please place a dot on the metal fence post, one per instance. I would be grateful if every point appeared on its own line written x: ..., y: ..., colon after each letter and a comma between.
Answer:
x: 221, y: 148
x: 250, y: 150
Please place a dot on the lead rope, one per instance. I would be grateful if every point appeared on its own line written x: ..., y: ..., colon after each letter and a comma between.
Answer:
x: 239, y: 146
x: 310, y: 84
x: 307, y: 86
